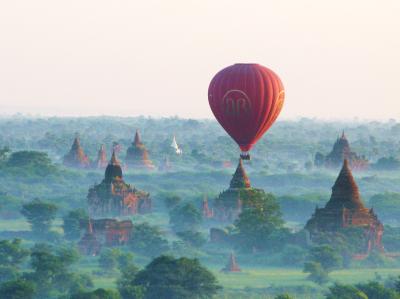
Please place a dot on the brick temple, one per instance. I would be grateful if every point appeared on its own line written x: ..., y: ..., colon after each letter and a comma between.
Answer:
x: 137, y: 155
x: 228, y: 205
x: 113, y: 197
x: 104, y: 232
x: 346, y: 209
x: 341, y: 150
x: 76, y: 157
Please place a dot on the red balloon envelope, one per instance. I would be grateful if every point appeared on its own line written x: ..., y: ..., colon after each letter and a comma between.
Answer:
x: 246, y: 100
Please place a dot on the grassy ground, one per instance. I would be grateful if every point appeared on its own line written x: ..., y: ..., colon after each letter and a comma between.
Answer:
x: 277, y: 277
x: 239, y: 285
x: 265, y: 277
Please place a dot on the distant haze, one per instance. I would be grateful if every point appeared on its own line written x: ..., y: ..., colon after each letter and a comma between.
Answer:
x: 337, y: 59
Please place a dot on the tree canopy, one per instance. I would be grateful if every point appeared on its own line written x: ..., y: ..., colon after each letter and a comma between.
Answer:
x: 40, y: 215
x: 260, y: 217
x: 183, y: 278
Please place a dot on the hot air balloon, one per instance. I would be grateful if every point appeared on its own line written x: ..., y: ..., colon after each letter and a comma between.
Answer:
x: 246, y: 99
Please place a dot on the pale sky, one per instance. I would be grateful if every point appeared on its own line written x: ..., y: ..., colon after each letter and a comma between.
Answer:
x: 337, y: 59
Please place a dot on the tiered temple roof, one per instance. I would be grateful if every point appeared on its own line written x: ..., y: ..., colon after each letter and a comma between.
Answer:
x: 341, y: 150
x: 346, y: 209
x: 228, y: 205
x: 137, y: 155
x: 76, y: 156
x: 101, y: 161
x: 113, y: 170
x: 240, y: 178
x: 345, y: 191
x: 114, y: 197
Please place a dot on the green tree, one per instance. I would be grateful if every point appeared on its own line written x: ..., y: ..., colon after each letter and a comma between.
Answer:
x: 79, y: 282
x: 183, y: 278
x: 40, y: 215
x: 397, y: 284
x: 8, y: 273
x: 28, y: 158
x: 185, y: 217
x: 32, y: 162
x: 260, y: 218
x: 17, y: 289
x: 108, y: 259
x: 316, y: 272
x: 12, y: 253
x: 346, y: 242
x: 376, y: 290
x: 72, y: 223
x: 51, y: 271
x: 322, y: 260
x: 340, y: 291
x: 148, y: 240
x: 125, y: 259
x: 96, y: 294
x: 284, y: 296
x: 11, y: 256
x: 126, y: 283
x: 326, y: 256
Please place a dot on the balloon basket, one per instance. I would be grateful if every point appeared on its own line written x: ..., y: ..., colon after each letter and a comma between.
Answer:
x: 245, y: 156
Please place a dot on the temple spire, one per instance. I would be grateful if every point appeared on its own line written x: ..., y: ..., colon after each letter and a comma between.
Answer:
x: 114, y: 159
x: 232, y: 265
x: 343, y: 135
x: 137, y: 155
x: 102, y: 157
x: 113, y: 169
x: 77, y: 143
x: 76, y: 156
x: 207, y: 212
x: 240, y: 178
x: 137, y: 141
x: 345, y: 193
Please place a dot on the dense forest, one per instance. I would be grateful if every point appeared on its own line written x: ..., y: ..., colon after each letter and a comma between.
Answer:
x: 43, y: 204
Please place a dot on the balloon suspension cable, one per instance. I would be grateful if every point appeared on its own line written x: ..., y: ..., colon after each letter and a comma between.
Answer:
x: 245, y: 155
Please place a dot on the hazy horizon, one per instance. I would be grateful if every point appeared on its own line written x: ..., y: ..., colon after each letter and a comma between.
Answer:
x: 155, y: 58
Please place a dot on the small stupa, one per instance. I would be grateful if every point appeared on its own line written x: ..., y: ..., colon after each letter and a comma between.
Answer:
x: 232, y: 265
x: 137, y: 155
x: 76, y: 156
x: 89, y: 245
x: 207, y: 212
x: 101, y: 162
x: 176, y: 147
